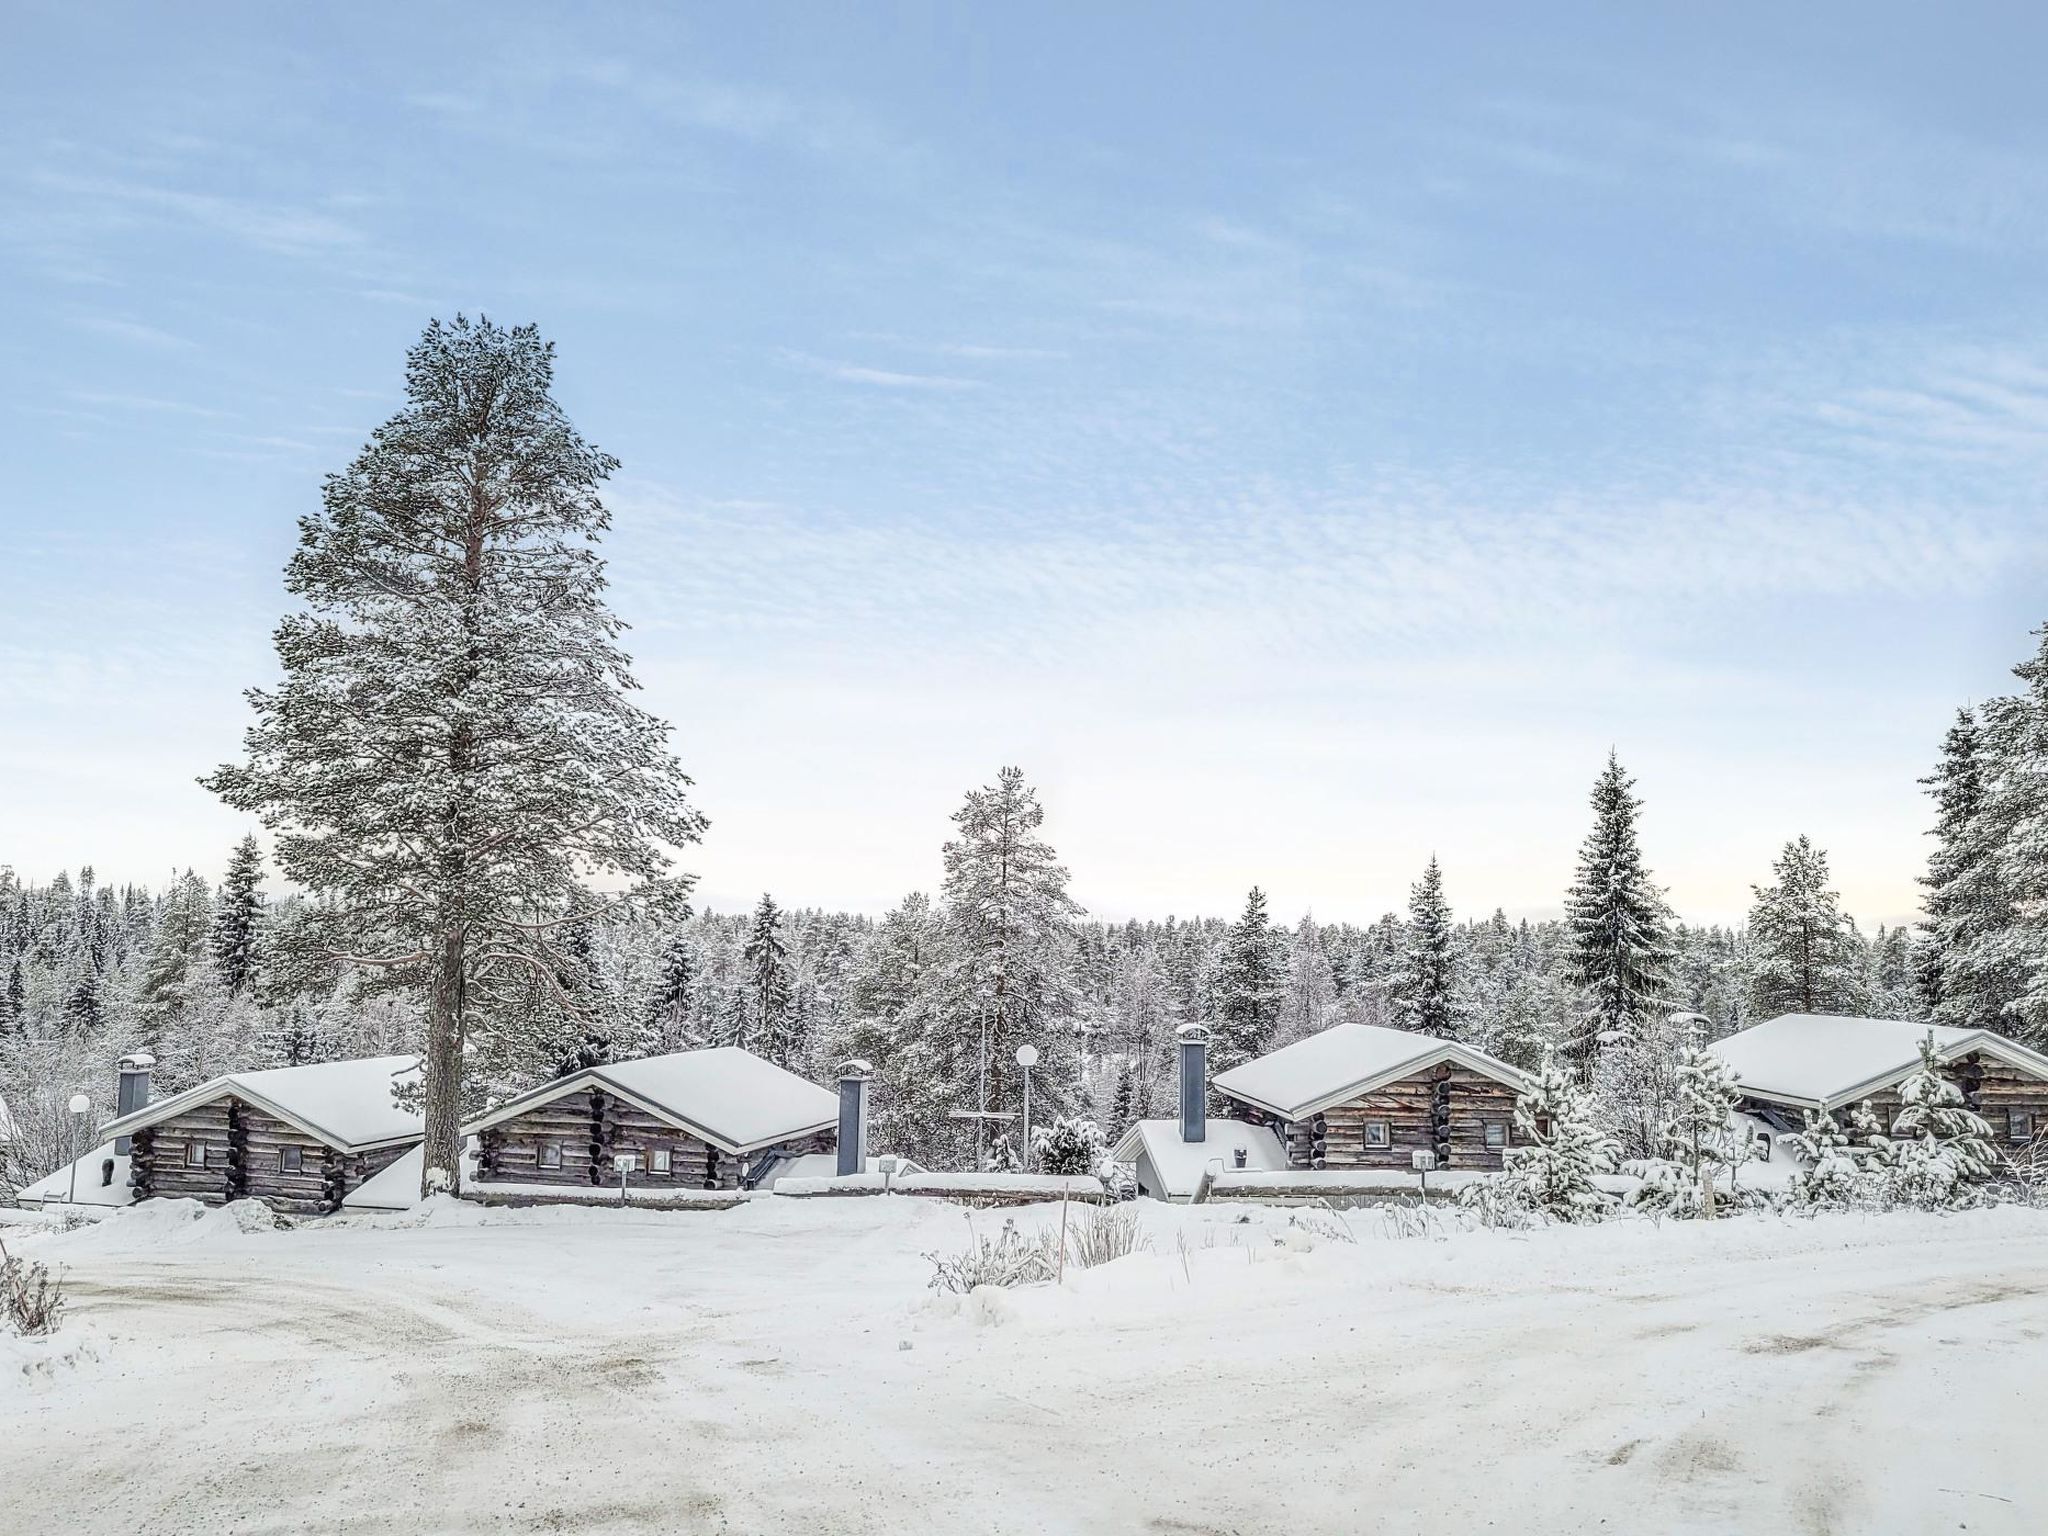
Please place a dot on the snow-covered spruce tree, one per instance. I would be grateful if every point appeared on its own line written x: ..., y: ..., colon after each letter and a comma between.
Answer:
x: 1559, y: 1151
x: 1425, y: 994
x: 1071, y: 1144
x: 1247, y: 989
x: 237, y: 911
x: 1005, y: 974
x: 2006, y: 965
x: 768, y: 987
x: 1942, y: 1146
x: 1955, y: 913
x: 1832, y: 1175
x: 1805, y: 953
x: 452, y: 761
x: 1620, y: 954
x: 668, y: 1009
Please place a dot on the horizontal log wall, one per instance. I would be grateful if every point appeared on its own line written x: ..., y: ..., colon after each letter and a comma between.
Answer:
x: 1992, y: 1088
x: 244, y: 1159
x: 1468, y: 1101
x: 593, y: 1128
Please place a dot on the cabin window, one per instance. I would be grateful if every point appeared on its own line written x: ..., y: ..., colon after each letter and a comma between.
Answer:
x: 1378, y: 1133
x: 291, y: 1159
x: 195, y: 1154
x: 1496, y: 1135
x: 551, y: 1154
x: 2019, y: 1126
x: 661, y: 1160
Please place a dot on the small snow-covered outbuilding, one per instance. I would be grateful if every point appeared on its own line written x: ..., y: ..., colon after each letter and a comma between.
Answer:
x: 1831, y: 1062
x: 296, y: 1138
x: 717, y: 1119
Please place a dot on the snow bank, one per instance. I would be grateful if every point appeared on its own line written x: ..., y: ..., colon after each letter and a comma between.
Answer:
x: 1043, y: 1186
x: 175, y: 1223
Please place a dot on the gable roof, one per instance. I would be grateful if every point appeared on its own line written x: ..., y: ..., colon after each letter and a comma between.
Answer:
x: 1823, y: 1061
x: 1179, y: 1164
x: 731, y: 1098
x: 1345, y: 1061
x: 57, y: 1188
x: 346, y: 1104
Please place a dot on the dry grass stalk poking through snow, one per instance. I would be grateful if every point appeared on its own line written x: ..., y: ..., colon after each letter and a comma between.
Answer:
x: 1109, y: 1232
x: 29, y: 1299
x: 1009, y: 1258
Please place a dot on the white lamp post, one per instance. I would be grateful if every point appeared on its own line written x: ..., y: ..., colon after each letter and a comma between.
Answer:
x: 1027, y: 1058
x: 81, y: 1106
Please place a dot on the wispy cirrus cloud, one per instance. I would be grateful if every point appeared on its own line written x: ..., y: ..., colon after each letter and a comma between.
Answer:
x: 882, y: 378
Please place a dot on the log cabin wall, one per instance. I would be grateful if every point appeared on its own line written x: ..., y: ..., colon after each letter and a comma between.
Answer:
x: 2012, y: 1099
x: 245, y: 1157
x: 1445, y: 1109
x: 589, y: 1129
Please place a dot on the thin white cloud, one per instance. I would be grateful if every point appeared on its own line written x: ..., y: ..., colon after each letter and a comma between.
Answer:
x: 884, y: 378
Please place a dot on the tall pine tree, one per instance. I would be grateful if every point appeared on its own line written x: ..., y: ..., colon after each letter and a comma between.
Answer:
x: 237, y: 911
x: 1621, y: 952
x: 452, y: 753
x: 770, y: 1031
x: 1805, y: 953
x: 1426, y: 990
x: 1247, y: 988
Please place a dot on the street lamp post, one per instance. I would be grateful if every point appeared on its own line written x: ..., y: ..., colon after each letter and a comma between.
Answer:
x: 81, y: 1106
x: 1027, y: 1058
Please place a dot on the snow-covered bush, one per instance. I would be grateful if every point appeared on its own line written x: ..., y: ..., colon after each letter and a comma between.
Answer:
x: 1943, y: 1154
x: 1551, y: 1172
x: 1070, y: 1145
x: 1009, y: 1258
x: 1104, y: 1233
x: 1832, y: 1176
x: 1001, y: 1157
x: 30, y: 1300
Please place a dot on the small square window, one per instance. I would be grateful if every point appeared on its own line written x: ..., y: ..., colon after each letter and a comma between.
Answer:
x: 291, y: 1159
x: 661, y: 1160
x: 2019, y: 1126
x: 1496, y: 1135
x: 551, y: 1154
x: 1378, y: 1133
x: 195, y: 1154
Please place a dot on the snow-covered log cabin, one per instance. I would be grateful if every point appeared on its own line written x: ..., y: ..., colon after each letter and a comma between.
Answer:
x: 1831, y: 1063
x: 716, y: 1119
x: 1363, y: 1096
x: 1355, y: 1096
x: 296, y: 1138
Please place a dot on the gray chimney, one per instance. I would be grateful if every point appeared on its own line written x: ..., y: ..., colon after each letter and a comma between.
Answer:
x: 853, y: 1116
x: 1194, y: 1082
x: 133, y: 1093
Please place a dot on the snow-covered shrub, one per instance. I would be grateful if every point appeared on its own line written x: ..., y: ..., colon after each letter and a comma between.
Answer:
x: 1943, y: 1154
x: 1070, y: 1145
x: 1832, y: 1176
x: 1104, y: 1233
x: 1009, y: 1258
x: 1551, y: 1172
x: 1001, y: 1157
x: 30, y: 1300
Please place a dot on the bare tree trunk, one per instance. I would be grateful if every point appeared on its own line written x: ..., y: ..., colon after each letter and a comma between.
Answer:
x: 441, y: 1164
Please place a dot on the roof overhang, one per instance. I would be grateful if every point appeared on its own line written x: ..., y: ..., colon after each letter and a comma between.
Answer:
x: 228, y: 1088
x: 594, y: 1077
x: 1449, y: 1051
x: 1978, y: 1042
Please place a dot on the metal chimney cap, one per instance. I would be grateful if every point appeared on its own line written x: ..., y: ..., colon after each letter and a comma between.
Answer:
x: 1195, y: 1034
x: 141, y: 1061
x: 855, y: 1068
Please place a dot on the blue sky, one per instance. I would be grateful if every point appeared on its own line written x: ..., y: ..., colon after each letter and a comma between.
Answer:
x: 1303, y: 437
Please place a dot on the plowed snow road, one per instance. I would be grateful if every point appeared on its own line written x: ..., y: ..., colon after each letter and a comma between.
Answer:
x: 781, y: 1368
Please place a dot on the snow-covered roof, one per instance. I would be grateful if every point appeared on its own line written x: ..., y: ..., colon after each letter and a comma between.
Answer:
x: 1823, y: 1061
x: 731, y: 1098
x: 1179, y: 1164
x: 56, y: 1188
x: 1345, y: 1061
x: 346, y: 1104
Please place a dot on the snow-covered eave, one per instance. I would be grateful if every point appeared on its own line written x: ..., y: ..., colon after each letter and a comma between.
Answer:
x: 1131, y: 1145
x: 1462, y: 1055
x: 1977, y: 1041
x: 231, y: 1087
x: 595, y: 1077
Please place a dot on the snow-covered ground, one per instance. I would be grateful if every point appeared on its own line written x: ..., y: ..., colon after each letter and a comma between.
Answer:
x: 782, y: 1367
